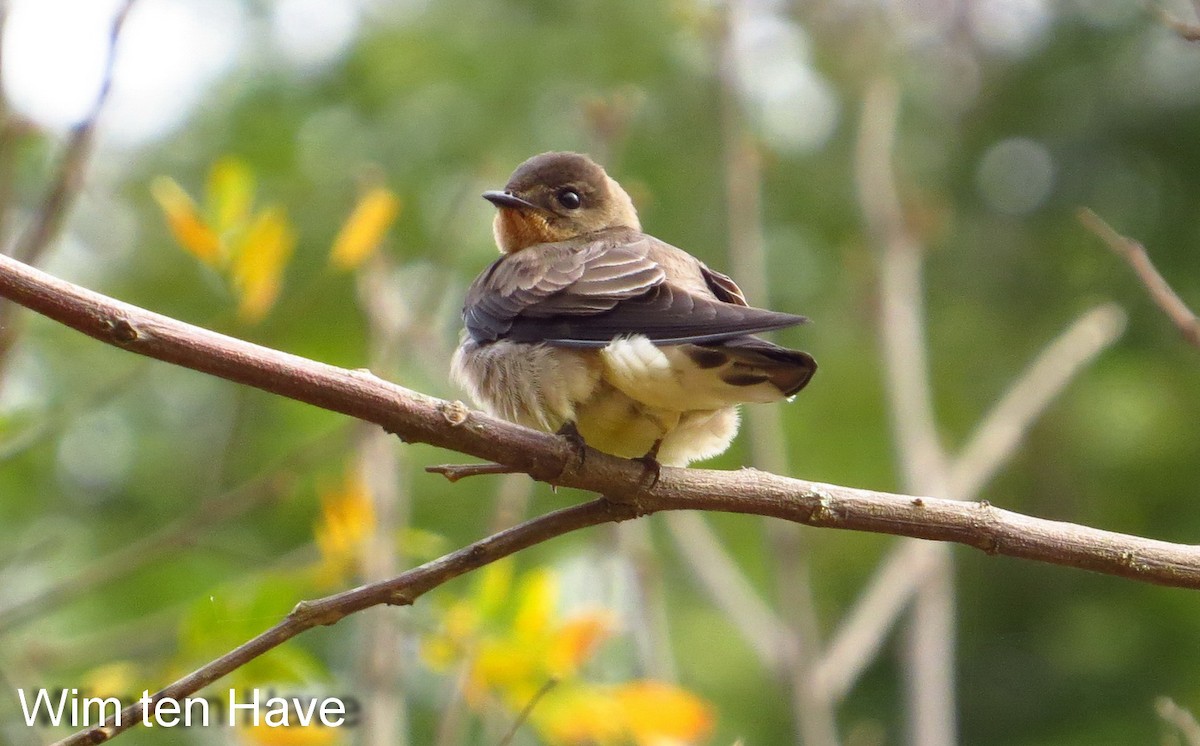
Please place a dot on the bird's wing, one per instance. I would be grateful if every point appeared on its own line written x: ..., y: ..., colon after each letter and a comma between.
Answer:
x: 723, y: 286
x: 588, y: 291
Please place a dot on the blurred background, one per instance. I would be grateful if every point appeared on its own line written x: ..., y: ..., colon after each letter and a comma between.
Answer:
x: 306, y: 175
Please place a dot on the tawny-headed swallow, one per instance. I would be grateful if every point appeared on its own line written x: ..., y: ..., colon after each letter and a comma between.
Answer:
x: 586, y: 325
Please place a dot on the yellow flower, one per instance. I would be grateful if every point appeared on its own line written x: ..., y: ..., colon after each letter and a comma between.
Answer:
x: 346, y: 523
x: 365, y: 228
x: 645, y: 713
x: 184, y: 221
x: 511, y: 639
x: 658, y: 714
x: 579, y: 715
x: 259, y: 261
x: 251, y: 249
x: 230, y: 194
x: 291, y: 735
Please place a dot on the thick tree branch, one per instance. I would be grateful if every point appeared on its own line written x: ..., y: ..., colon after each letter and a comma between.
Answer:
x: 1160, y: 290
x: 416, y: 417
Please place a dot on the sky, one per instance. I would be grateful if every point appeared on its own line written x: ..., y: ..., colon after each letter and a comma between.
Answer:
x: 171, y: 53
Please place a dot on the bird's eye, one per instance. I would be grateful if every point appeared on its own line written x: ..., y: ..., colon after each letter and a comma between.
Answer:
x: 570, y: 199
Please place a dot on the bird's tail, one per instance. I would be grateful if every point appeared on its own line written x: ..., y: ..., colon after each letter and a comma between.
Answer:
x: 750, y: 362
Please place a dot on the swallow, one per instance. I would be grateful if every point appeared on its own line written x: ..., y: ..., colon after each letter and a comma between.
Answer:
x: 588, y: 327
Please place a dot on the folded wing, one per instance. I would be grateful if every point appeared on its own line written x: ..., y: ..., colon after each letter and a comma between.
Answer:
x: 585, y: 294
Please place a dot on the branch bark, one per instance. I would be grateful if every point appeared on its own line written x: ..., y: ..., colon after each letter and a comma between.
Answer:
x: 1161, y: 292
x: 416, y: 417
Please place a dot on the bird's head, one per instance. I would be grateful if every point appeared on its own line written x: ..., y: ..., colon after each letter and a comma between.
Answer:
x: 556, y: 196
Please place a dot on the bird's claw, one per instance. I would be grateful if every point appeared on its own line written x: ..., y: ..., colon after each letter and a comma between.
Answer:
x: 571, y: 433
x: 651, y: 466
x: 652, y: 470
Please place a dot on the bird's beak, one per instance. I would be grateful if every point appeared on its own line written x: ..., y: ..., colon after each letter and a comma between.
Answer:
x: 504, y: 199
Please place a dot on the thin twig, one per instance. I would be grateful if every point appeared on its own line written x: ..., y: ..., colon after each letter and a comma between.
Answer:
x: 8, y: 136
x: 902, y: 323
x: 999, y: 433
x: 1181, y: 719
x: 455, y: 472
x: 65, y: 188
x: 527, y: 710
x: 1160, y: 290
x: 58, y: 200
x: 1186, y: 31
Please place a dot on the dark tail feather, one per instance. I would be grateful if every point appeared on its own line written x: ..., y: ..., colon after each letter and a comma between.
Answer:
x: 787, y: 370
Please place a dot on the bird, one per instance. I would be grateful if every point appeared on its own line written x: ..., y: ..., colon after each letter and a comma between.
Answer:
x: 588, y: 327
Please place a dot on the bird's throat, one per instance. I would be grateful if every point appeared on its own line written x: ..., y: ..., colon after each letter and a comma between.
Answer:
x: 519, y: 229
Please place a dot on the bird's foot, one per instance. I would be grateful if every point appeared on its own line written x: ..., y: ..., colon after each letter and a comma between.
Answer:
x: 570, y: 432
x: 652, y: 469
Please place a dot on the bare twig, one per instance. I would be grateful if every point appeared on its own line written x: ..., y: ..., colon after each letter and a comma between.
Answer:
x: 8, y: 135
x: 902, y: 322
x: 61, y: 195
x: 401, y: 590
x: 455, y: 472
x: 527, y: 710
x: 416, y: 417
x: 1186, y: 31
x: 1181, y: 719
x: 997, y: 436
x: 63, y: 191
x: 1160, y: 290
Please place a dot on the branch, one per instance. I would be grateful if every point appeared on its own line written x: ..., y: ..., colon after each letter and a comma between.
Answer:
x: 999, y: 433
x: 1160, y: 291
x: 1181, y: 719
x: 57, y: 202
x: 79, y: 146
x: 994, y: 441
x: 401, y: 590
x: 928, y: 650
x: 416, y: 417
x: 901, y: 317
x: 1186, y: 31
